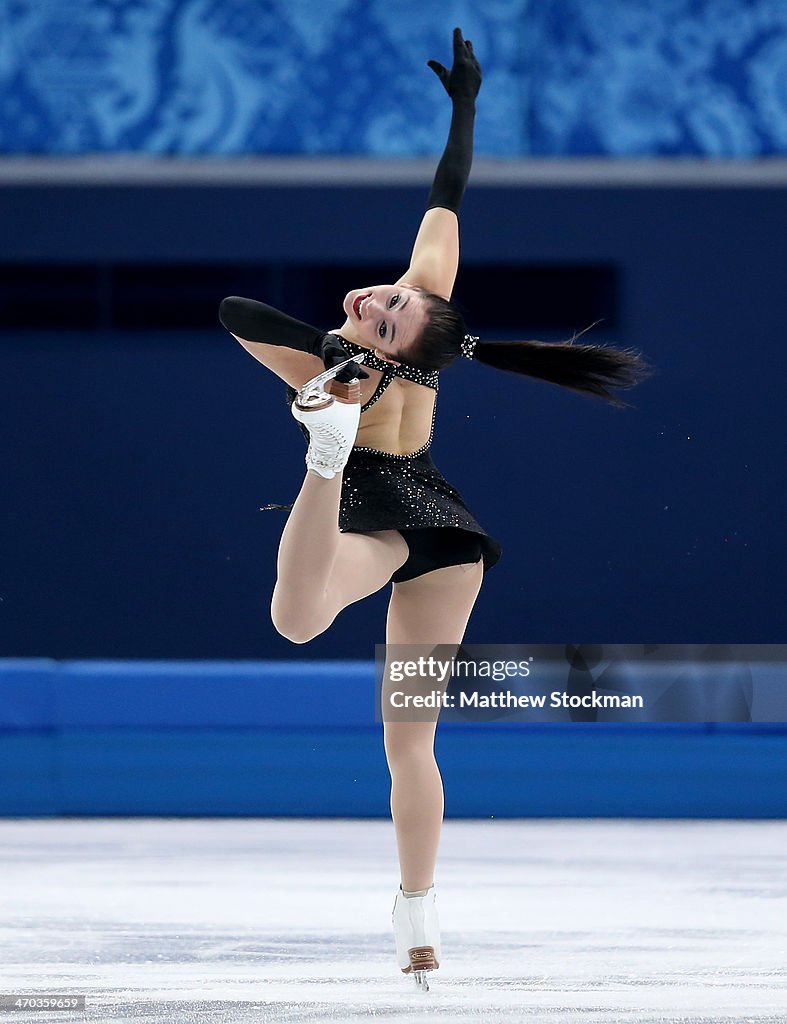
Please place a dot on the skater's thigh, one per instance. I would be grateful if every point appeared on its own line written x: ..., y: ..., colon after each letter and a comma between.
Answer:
x: 431, y: 610
x: 434, y: 608
x: 364, y: 563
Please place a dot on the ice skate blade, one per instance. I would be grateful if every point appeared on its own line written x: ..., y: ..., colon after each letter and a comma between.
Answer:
x: 315, y: 395
x: 421, y: 980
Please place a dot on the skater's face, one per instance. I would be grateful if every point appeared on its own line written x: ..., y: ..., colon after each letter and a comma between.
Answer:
x: 387, y: 317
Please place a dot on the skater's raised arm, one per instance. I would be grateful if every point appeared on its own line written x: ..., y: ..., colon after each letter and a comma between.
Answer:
x: 435, y: 258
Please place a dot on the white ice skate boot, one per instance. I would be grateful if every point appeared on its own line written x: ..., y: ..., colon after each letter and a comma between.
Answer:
x: 417, y: 934
x: 331, y: 419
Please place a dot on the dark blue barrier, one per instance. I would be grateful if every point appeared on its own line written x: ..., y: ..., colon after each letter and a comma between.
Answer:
x: 136, y: 462
x: 295, y: 739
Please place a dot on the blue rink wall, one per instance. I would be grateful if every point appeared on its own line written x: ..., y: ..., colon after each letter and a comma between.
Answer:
x: 300, y: 739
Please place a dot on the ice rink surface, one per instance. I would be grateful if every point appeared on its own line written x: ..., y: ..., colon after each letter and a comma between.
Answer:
x: 560, y: 922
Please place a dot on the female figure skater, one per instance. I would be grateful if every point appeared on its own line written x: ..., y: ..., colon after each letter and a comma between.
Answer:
x: 373, y: 508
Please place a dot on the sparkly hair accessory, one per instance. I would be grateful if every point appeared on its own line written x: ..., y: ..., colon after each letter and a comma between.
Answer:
x: 468, y: 346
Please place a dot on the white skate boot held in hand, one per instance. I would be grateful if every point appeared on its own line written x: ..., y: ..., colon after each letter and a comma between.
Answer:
x: 330, y: 411
x: 417, y: 934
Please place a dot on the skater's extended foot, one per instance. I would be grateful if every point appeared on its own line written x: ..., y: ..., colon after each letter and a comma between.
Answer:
x: 331, y: 419
x: 417, y: 933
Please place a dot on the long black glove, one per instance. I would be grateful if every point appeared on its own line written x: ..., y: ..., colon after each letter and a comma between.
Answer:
x: 461, y: 83
x: 257, y: 322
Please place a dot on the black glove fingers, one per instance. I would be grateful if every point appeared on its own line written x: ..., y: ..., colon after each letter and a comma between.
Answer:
x: 333, y: 352
x: 350, y: 372
x: 464, y: 78
x: 440, y: 71
x: 473, y: 59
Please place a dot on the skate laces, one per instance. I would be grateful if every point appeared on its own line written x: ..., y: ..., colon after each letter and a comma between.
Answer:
x: 327, y: 443
x: 332, y: 432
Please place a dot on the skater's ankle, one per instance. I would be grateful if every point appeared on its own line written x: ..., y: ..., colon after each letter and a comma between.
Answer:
x: 322, y: 473
x: 412, y: 893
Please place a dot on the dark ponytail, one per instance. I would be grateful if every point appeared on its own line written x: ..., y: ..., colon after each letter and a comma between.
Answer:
x: 590, y: 369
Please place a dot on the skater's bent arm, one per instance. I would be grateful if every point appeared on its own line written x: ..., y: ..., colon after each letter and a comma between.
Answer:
x: 435, y: 258
x: 295, y: 368
x: 292, y: 349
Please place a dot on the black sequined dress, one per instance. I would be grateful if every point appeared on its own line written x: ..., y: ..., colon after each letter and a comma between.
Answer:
x: 381, y: 491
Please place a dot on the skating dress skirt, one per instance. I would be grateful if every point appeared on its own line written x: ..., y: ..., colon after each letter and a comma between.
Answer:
x: 381, y: 491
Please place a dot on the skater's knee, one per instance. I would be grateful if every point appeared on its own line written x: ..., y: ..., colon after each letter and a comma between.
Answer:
x: 293, y: 628
x: 294, y: 635
x: 408, y: 742
x: 295, y: 624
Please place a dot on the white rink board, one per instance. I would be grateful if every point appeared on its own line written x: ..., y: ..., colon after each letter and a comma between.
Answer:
x: 227, y: 920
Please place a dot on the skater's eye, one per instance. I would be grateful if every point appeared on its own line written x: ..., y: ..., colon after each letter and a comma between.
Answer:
x: 394, y: 300
x: 382, y: 330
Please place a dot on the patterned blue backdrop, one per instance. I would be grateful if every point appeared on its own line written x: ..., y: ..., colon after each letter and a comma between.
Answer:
x: 618, y: 77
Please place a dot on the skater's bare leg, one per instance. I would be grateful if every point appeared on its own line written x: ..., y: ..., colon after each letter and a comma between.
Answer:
x: 320, y: 570
x: 416, y: 800
x: 431, y: 609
